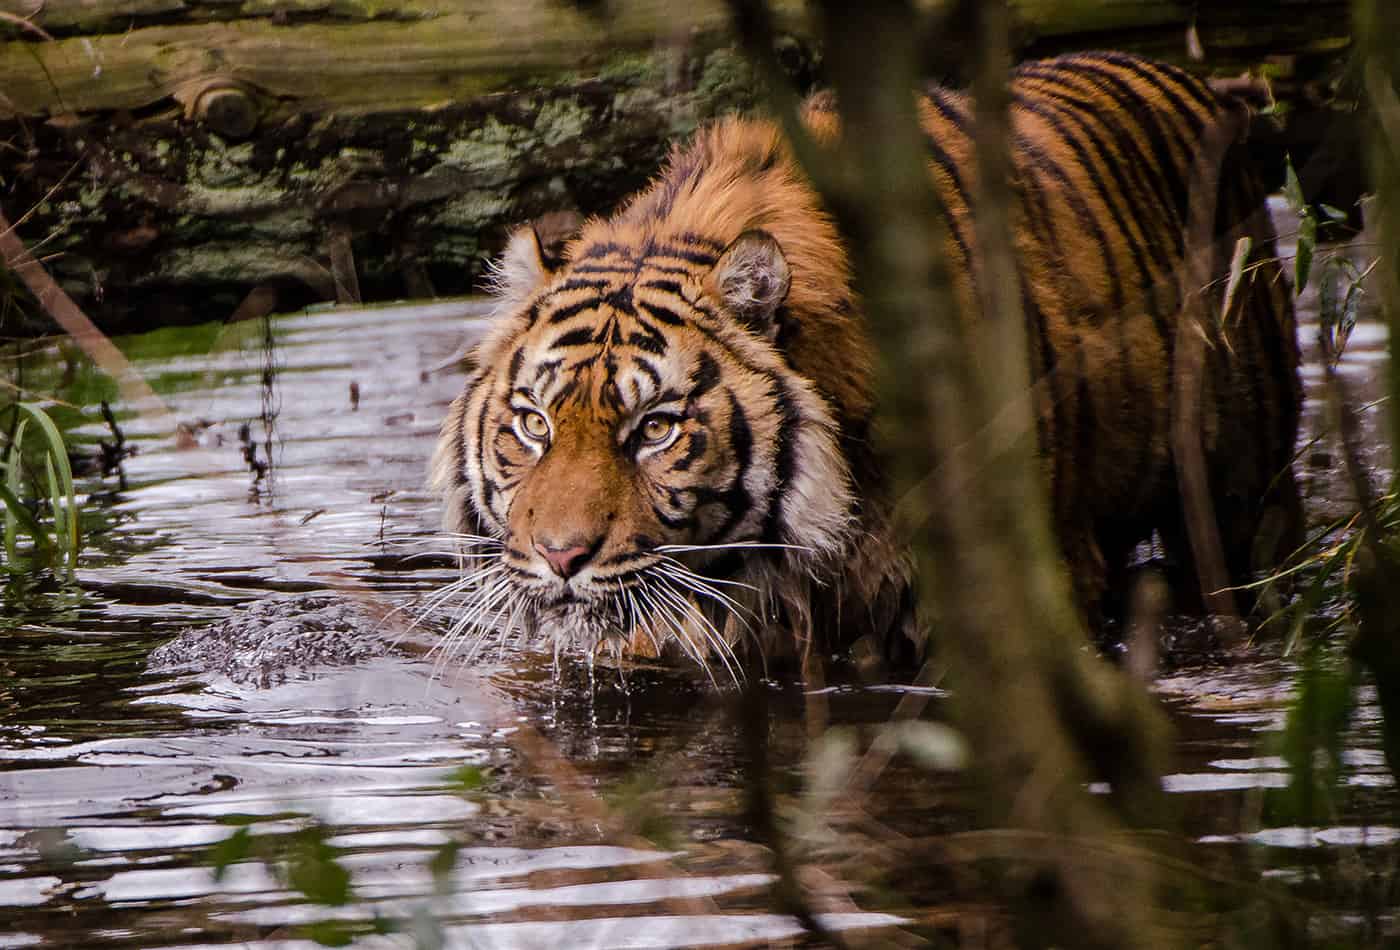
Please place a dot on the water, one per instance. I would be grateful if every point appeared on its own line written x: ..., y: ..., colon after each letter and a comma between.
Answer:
x: 586, y: 816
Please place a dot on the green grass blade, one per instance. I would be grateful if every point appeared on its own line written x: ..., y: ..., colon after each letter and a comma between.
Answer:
x: 14, y: 508
x: 60, y: 516
x: 58, y: 452
x: 13, y: 489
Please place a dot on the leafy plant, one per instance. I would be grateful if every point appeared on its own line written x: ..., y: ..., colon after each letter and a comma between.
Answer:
x: 63, y: 541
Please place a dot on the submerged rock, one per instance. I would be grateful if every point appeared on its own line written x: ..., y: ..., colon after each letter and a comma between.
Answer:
x: 277, y: 639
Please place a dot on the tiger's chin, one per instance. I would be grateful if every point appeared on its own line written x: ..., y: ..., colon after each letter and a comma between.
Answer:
x: 573, y: 625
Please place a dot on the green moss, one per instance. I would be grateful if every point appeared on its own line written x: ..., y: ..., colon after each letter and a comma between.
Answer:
x: 726, y: 81
x: 561, y: 120
x: 473, y: 211
x: 259, y: 197
x: 648, y: 69
x: 90, y: 196
x: 454, y: 248
x: 241, y: 262
x: 489, y: 152
x: 290, y: 224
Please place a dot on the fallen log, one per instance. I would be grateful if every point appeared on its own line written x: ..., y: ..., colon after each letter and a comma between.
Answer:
x: 170, y: 158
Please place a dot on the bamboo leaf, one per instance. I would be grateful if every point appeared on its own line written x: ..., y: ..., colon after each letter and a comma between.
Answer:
x: 1293, y: 189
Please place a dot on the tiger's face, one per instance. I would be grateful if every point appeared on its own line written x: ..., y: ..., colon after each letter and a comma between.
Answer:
x: 632, y: 446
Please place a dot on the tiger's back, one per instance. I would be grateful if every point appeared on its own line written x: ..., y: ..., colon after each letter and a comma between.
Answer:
x: 1103, y: 146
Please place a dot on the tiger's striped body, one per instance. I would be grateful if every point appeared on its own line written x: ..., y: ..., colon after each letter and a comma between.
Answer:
x: 684, y: 402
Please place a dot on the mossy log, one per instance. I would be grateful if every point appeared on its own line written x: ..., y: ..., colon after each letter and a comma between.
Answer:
x: 178, y: 159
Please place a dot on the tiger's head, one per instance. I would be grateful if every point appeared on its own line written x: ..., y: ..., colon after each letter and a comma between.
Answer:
x: 633, y: 459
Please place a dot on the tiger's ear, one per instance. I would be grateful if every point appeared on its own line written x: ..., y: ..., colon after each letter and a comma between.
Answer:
x: 752, y: 279
x: 519, y: 270
x: 532, y: 255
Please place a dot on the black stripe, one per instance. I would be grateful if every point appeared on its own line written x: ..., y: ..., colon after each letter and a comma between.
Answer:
x: 602, y: 249
x: 573, y: 310
x: 664, y: 314
x: 1044, y: 365
x: 616, y: 270
x: 1138, y: 68
x: 1160, y: 73
x: 460, y: 449
x: 669, y: 520
x: 937, y: 97
x: 666, y: 286
x: 624, y: 558
x: 580, y: 283
x: 648, y: 338
x: 687, y: 254
x: 1162, y: 136
x: 1150, y: 175
x: 786, y: 465
x: 1092, y: 170
x: 690, y: 237
x: 645, y: 365
x: 1087, y: 219
x: 736, y: 499
x: 573, y: 338
x: 705, y: 376
x: 695, y: 448
x: 620, y: 299
x: 545, y: 372
x: 486, y: 487
x: 668, y: 268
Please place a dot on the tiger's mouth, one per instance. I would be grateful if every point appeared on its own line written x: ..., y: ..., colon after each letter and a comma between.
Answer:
x: 664, y: 603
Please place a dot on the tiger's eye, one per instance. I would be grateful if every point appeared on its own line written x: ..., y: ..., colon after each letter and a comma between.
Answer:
x: 536, y: 426
x: 657, y: 429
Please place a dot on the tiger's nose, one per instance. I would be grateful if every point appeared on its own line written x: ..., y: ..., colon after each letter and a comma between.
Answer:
x: 568, y: 560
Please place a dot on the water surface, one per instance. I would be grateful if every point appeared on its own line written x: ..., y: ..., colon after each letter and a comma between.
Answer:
x: 606, y: 818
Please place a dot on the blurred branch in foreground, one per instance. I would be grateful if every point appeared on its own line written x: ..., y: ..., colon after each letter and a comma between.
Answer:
x: 1377, y: 640
x: 1044, y: 716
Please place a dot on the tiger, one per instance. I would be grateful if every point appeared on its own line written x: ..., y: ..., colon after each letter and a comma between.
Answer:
x: 665, y: 440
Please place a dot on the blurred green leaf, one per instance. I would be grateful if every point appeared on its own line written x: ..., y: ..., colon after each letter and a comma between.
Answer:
x: 1307, y: 244
x: 467, y: 778
x: 14, y: 482
x: 233, y: 849
x: 331, y: 933
x: 1311, y: 742
x: 60, y: 492
x: 313, y: 870
x: 58, y: 456
x: 442, y: 865
x: 16, y: 509
x: 1293, y: 189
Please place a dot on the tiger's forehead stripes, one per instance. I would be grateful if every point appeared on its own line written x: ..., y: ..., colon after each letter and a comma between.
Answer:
x: 611, y: 375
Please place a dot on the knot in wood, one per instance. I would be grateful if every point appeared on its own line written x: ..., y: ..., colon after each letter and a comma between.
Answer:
x: 227, y: 106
